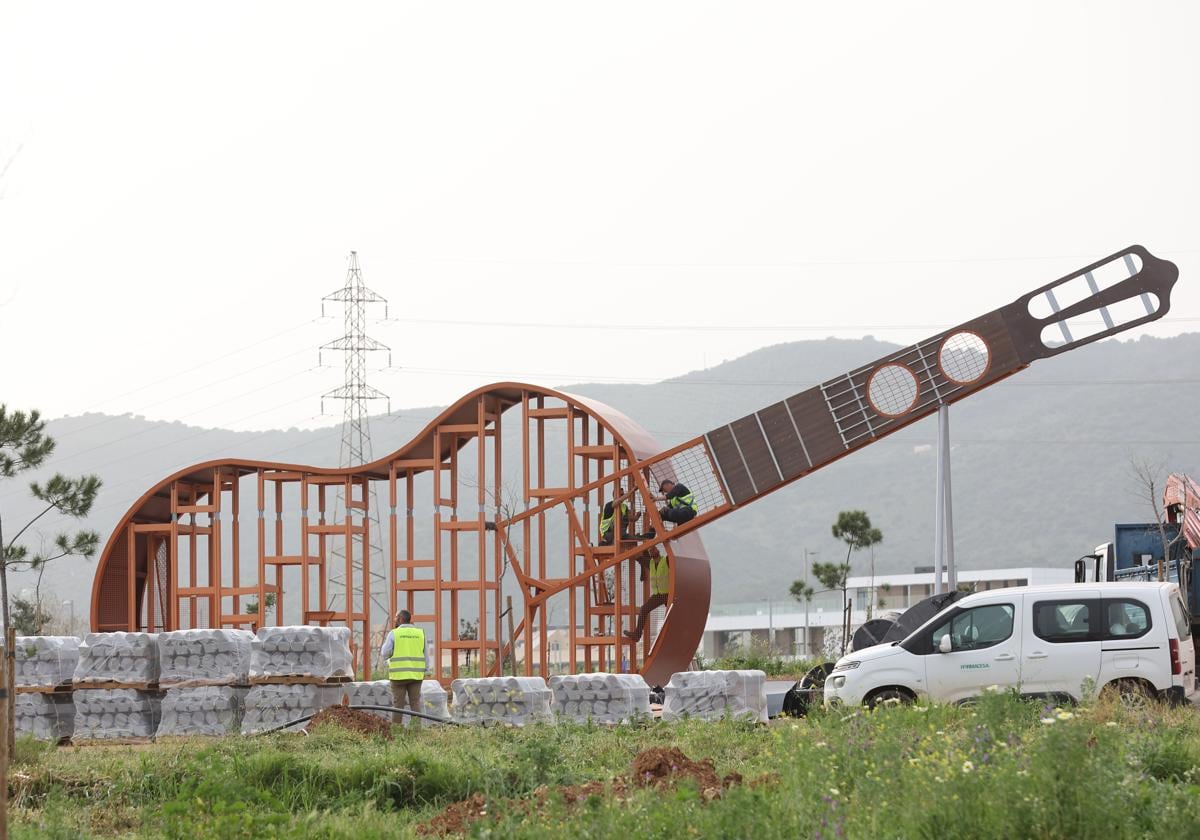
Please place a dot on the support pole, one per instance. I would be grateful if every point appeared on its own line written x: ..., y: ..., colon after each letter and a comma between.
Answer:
x: 939, y: 511
x: 948, y: 514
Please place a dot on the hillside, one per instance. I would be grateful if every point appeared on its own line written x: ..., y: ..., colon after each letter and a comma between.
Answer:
x: 1041, y: 462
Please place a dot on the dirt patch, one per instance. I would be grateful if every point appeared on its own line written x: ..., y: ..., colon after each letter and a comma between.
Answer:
x: 658, y: 767
x: 354, y: 720
x: 457, y: 817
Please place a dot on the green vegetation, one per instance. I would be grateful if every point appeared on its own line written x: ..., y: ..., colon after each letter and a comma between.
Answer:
x: 1001, y: 769
x: 759, y: 657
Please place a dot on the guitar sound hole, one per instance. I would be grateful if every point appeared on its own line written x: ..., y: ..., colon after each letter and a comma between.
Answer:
x: 964, y: 358
x: 893, y: 390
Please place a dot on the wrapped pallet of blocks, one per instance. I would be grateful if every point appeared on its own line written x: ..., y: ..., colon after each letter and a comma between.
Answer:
x: 204, y: 657
x: 47, y: 717
x: 379, y: 693
x: 515, y: 701
x: 126, y: 658
x: 711, y: 695
x: 45, y: 661
x: 203, y: 710
x: 115, y: 713
x: 301, y: 652
x: 602, y: 698
x: 268, y: 706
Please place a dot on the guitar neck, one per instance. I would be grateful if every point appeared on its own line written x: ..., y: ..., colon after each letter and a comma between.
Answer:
x: 789, y: 439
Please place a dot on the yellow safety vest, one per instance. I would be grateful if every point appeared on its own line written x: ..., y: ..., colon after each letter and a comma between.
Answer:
x: 686, y: 500
x: 606, y: 521
x: 660, y: 576
x: 407, y: 661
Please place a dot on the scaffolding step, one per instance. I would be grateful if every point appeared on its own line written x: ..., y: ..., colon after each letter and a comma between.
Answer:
x: 602, y: 640
x: 240, y: 618
x: 283, y: 560
x: 413, y: 564
x: 547, y: 492
x: 600, y: 453
x: 320, y: 615
x: 461, y: 525
x: 548, y: 413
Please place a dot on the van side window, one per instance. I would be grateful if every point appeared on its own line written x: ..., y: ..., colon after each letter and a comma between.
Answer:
x: 1065, y: 621
x: 1125, y: 618
x: 977, y: 628
x: 1181, y: 618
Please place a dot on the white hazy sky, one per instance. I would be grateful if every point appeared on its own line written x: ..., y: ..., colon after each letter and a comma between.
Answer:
x: 527, y: 182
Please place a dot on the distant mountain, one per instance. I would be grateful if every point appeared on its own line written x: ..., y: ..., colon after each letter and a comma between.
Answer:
x: 1041, y: 462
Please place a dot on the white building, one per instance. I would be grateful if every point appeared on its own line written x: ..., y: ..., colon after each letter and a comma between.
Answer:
x: 782, y: 621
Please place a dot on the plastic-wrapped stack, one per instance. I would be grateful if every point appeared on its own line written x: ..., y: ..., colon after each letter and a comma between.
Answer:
x: 125, y: 658
x: 603, y: 698
x: 710, y: 695
x: 47, y: 717
x: 204, y: 657
x: 379, y: 693
x: 203, y: 710
x: 267, y: 706
x: 45, y: 661
x: 109, y: 713
x: 511, y: 700
x: 320, y: 652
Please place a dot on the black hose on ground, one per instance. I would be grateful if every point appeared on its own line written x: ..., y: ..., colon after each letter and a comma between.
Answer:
x: 392, y: 709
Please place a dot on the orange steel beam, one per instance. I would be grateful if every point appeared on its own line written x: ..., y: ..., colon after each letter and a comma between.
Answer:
x: 542, y: 526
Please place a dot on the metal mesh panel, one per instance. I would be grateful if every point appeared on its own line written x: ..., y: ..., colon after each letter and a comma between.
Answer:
x: 692, y: 468
x: 892, y: 389
x: 964, y: 357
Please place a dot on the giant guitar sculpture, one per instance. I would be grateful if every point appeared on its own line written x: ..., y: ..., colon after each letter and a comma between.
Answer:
x: 464, y: 535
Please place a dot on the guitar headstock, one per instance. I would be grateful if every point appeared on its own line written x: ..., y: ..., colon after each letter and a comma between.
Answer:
x: 1117, y: 293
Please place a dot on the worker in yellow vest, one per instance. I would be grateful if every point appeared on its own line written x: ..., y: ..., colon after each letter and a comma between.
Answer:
x: 618, y: 510
x: 404, y: 651
x: 660, y: 585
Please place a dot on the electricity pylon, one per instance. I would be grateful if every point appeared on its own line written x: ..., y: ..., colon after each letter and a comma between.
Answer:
x: 355, y: 393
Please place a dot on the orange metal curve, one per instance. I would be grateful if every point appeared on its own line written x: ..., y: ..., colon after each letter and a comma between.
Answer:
x: 156, y: 539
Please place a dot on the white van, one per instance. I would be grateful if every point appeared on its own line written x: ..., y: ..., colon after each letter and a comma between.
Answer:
x: 1060, y: 642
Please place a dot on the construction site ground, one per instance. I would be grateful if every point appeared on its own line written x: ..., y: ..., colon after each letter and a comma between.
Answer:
x: 994, y: 770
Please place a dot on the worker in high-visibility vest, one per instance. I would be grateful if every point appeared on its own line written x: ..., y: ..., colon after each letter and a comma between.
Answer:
x: 404, y: 651
x: 680, y: 504
x: 608, y: 517
x: 660, y: 585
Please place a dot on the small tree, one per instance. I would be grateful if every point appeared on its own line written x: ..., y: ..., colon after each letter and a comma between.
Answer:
x: 853, y: 527
x: 251, y: 607
x: 24, y: 445
x: 468, y: 631
x: 1148, y: 489
x: 27, y: 616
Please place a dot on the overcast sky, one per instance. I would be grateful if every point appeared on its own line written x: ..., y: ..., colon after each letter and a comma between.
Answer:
x: 182, y: 184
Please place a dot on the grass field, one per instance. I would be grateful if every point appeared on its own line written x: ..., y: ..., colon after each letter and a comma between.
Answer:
x: 1002, y: 769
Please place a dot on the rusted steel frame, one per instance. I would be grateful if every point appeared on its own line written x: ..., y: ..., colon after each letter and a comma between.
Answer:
x: 617, y: 475
x: 481, y: 496
x: 236, y: 536
x: 498, y: 557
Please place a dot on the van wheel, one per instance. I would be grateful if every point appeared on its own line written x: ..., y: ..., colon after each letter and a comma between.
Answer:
x: 1131, y: 694
x: 888, y: 697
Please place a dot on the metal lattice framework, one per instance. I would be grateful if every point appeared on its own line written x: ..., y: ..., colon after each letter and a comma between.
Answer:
x: 458, y: 526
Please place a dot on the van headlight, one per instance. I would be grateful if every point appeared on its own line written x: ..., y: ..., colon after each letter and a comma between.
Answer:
x: 847, y: 665
x: 838, y: 681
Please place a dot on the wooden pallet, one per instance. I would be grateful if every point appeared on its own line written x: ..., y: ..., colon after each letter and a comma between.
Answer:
x: 61, y: 688
x: 299, y: 679
x: 201, y: 684
x: 144, y: 686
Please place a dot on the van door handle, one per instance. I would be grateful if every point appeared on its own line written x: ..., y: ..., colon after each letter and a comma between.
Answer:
x: 1037, y: 654
x: 1005, y: 657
